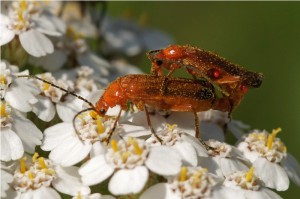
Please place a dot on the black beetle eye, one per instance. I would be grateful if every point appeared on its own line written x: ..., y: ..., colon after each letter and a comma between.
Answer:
x: 102, y: 111
x: 158, y: 62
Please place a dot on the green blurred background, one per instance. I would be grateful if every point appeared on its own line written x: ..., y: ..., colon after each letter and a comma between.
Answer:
x: 262, y: 36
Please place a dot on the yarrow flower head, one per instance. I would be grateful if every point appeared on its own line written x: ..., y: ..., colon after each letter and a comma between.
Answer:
x: 50, y: 95
x: 269, y: 156
x: 187, y: 146
x: 128, y: 162
x: 190, y: 183
x: 244, y: 184
x: 30, y: 22
x: 223, y: 159
x: 33, y: 178
x: 69, y: 146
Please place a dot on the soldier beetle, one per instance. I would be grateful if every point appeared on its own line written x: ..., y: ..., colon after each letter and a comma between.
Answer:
x: 182, y: 95
x: 231, y: 79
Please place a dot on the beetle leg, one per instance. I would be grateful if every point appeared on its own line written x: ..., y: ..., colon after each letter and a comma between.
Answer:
x: 114, y: 127
x: 150, y: 126
x: 197, y: 126
x: 197, y: 130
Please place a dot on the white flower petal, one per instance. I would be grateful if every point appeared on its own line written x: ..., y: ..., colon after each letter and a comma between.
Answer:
x: 68, y: 109
x: 35, y: 43
x: 68, y: 181
x: 11, y: 145
x: 163, y: 161
x: 229, y: 166
x: 250, y: 155
x: 237, y: 128
x: 273, y: 175
x: 228, y: 193
x: 292, y: 167
x: 19, y: 98
x: 45, y: 26
x: 92, y: 60
x: 70, y: 152
x: 28, y: 194
x: 133, y: 130
x: 28, y: 132
x: 57, y: 22
x: 269, y: 194
x: 6, y: 178
x: 187, y: 152
x: 6, y: 35
x: 159, y: 191
x: 210, y: 130
x: 98, y: 148
x: 44, y: 192
x: 10, y: 193
x: 50, y: 62
x: 200, y: 149
x: 55, y: 135
x: 212, y: 164
x: 128, y: 181
x: 95, y: 171
x: 184, y: 120
x: 44, y: 108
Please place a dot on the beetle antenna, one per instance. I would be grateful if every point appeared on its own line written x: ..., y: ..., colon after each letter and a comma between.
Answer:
x: 68, y: 92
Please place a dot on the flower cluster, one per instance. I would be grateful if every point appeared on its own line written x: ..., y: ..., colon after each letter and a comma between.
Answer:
x: 55, y: 143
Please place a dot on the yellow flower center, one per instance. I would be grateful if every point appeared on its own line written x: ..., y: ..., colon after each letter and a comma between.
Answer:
x: 249, y: 174
x: 3, y: 79
x: 183, y: 174
x: 34, y: 157
x: 271, y: 137
x: 3, y: 109
x: 114, y: 145
x: 100, y: 126
x: 30, y: 175
x: 171, y: 127
x: 42, y: 163
x: 72, y: 34
x: 23, y: 165
x: 46, y: 86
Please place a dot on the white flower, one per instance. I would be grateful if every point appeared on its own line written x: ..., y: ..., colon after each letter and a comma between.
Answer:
x: 30, y: 23
x: 32, y: 179
x: 18, y: 134
x: 245, y: 185
x: 188, y: 147
x: 52, y: 98
x: 127, y: 37
x: 20, y: 93
x: 190, y: 183
x: 128, y: 163
x: 6, y: 178
x: 223, y: 159
x: 273, y: 165
x: 68, y: 147
x: 50, y: 95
